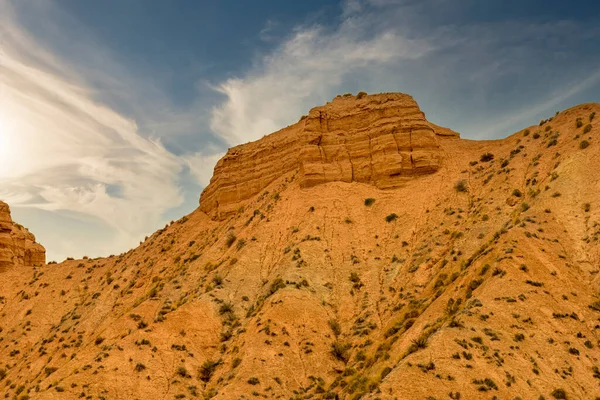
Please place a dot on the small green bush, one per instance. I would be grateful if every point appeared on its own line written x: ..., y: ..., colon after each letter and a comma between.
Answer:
x: 486, y: 157
x: 225, y: 308
x: 391, y: 217
x: 341, y: 351
x: 231, y: 238
x: 587, y: 128
x: 369, y: 202
x: 207, y: 370
x: 461, y: 186
x: 335, y: 326
x: 584, y: 144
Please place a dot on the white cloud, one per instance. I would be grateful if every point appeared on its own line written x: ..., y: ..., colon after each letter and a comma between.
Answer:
x: 492, y: 69
x: 65, y: 150
x: 301, y: 73
x: 201, y: 164
x: 70, y: 144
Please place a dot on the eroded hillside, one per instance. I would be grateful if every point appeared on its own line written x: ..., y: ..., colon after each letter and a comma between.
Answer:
x: 477, y: 279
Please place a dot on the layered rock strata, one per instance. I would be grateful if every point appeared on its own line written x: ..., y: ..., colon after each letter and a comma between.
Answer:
x: 18, y: 246
x: 380, y: 139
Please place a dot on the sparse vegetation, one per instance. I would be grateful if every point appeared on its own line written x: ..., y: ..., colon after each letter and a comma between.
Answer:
x: 369, y: 201
x: 486, y: 157
x: 341, y: 351
x: 461, y: 186
x: 231, y: 238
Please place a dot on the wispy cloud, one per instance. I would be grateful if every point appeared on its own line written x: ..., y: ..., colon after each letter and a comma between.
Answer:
x: 301, y: 73
x: 103, y: 147
x: 66, y: 151
x: 493, y: 69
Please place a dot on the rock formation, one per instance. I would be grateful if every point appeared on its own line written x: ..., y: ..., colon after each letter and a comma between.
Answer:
x: 475, y: 277
x: 17, y: 245
x: 381, y: 139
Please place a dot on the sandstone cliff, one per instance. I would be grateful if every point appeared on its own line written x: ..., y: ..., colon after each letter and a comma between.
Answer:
x: 17, y: 245
x: 381, y: 139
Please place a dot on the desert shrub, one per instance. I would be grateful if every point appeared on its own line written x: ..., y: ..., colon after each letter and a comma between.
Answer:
x: 526, y: 132
x: 225, y: 308
x: 519, y: 337
x: 369, y: 202
x: 534, y: 283
x: 139, y: 367
x: 524, y: 207
x: 354, y: 278
x: 217, y: 280
x: 517, y: 193
x: 277, y: 284
x: 592, y: 115
x: 587, y: 128
x: 418, y: 343
x: 230, y: 239
x: 486, y: 157
x: 391, y: 217
x: 207, y: 370
x: 360, y: 95
x: 578, y: 123
x: 182, y: 372
x: 559, y: 394
x: 574, y: 351
x: 461, y: 186
x: 587, y: 207
x: 584, y: 144
x: 340, y: 351
x: 536, y: 135
x: 253, y: 381
x: 335, y: 326
x: 241, y: 243
x: 386, y: 371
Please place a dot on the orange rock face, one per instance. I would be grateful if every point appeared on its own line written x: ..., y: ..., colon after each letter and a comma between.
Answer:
x: 17, y: 245
x: 379, y: 139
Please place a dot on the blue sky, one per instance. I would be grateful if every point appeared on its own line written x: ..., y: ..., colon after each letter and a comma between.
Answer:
x: 113, y: 113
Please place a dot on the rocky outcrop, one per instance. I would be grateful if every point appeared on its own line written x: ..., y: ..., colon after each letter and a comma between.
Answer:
x: 381, y: 139
x: 17, y: 245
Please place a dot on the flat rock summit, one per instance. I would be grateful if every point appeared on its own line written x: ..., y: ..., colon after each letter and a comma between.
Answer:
x: 380, y: 139
x: 361, y: 253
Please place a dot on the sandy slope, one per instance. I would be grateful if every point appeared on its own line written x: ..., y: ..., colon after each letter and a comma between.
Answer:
x: 309, y: 293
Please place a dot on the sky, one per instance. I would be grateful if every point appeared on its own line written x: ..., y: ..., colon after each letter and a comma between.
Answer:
x: 113, y: 113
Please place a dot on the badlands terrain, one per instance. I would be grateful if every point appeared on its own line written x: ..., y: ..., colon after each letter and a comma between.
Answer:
x: 361, y: 253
